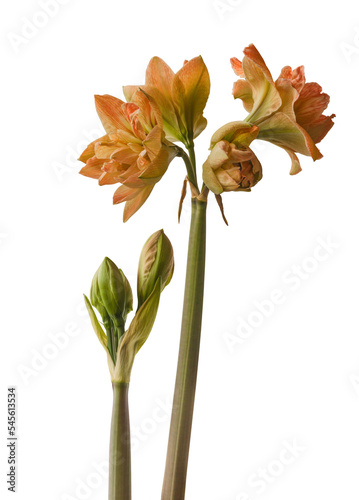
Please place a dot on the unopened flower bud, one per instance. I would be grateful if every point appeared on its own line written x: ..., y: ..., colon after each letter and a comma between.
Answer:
x: 111, y: 293
x: 230, y: 168
x: 156, y: 261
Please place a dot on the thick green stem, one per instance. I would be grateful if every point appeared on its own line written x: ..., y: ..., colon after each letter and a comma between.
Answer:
x: 182, y: 412
x: 120, y: 446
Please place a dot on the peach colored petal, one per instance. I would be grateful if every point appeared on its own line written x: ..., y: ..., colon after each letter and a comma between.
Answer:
x: 243, y: 90
x: 164, y: 104
x: 136, y: 203
x: 89, y: 152
x: 279, y: 129
x: 265, y: 95
x: 295, y: 167
x: 138, y: 129
x: 158, y: 167
x: 237, y: 67
x: 126, y: 155
x: 124, y: 193
x: 124, y: 137
x: 286, y: 73
x: 149, y: 112
x: 311, y: 104
x: 160, y: 76
x: 288, y: 95
x: 240, y: 133
x: 298, y: 78
x: 110, y: 175
x: 92, y: 168
x: 104, y: 150
x: 111, y: 113
x: 190, y: 91
x: 153, y: 142
x: 253, y: 55
x: 319, y: 128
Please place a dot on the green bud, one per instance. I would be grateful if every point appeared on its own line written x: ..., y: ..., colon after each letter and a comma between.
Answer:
x: 156, y: 262
x: 111, y: 292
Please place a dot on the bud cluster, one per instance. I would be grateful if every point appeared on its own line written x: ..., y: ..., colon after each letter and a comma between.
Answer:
x: 111, y: 295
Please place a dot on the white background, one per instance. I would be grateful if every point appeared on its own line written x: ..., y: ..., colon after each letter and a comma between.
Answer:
x: 296, y: 376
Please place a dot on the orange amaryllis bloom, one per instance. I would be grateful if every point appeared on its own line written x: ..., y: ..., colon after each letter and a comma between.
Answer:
x: 288, y: 111
x: 181, y: 96
x: 232, y: 165
x: 134, y: 151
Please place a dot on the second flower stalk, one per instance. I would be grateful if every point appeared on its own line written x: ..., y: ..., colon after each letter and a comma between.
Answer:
x: 111, y: 295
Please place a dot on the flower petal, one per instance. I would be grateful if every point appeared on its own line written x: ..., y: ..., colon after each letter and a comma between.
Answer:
x: 160, y: 76
x: 136, y: 203
x: 295, y: 167
x: 190, y: 91
x: 89, y: 152
x: 243, y: 90
x: 319, y: 129
x: 284, y: 132
x: 265, y: 95
x: 92, y: 168
x: 237, y: 67
x: 111, y: 113
x: 311, y: 104
x: 158, y: 167
x: 241, y: 133
x: 124, y: 193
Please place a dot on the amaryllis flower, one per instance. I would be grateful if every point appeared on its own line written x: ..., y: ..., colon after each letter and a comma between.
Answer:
x: 232, y: 165
x: 134, y: 151
x: 181, y: 96
x: 288, y: 111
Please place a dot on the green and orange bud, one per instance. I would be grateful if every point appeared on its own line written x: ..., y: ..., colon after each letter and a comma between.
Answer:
x: 229, y: 168
x: 232, y: 165
x: 156, y: 263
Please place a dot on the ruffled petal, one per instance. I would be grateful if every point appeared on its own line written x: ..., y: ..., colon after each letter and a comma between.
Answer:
x: 319, y: 128
x: 311, y: 104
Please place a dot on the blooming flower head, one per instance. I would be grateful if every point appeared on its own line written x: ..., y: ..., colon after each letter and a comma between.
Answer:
x: 134, y: 151
x: 232, y: 165
x: 288, y: 111
x: 181, y: 96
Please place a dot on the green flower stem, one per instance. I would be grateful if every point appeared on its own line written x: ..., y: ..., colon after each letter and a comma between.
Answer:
x: 120, y: 446
x: 182, y: 412
x: 190, y: 164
